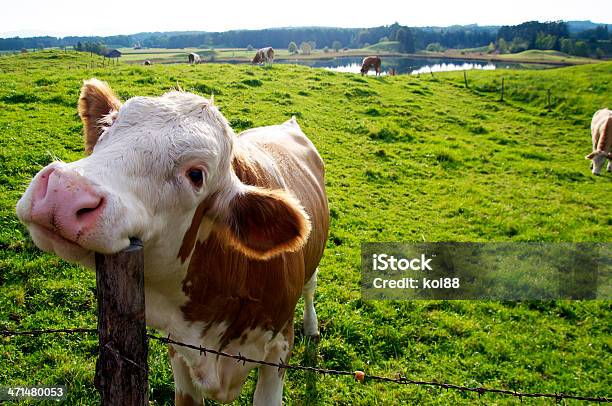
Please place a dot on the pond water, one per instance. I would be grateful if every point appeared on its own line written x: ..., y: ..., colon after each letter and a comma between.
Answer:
x: 414, y: 66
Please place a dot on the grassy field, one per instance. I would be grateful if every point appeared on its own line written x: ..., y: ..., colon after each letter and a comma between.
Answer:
x: 408, y: 159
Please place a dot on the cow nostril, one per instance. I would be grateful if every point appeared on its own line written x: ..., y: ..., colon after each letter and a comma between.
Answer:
x: 84, y: 210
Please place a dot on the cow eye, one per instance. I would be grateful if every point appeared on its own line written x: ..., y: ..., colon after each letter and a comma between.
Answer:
x: 195, y: 176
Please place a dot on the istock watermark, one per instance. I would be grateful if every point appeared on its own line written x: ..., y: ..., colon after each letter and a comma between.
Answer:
x: 481, y: 271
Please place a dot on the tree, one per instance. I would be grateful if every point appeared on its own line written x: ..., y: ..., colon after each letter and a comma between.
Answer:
x: 406, y: 40
x: 313, y: 45
x: 336, y: 45
x: 249, y: 47
x: 581, y: 49
x: 306, y: 48
x: 292, y: 48
x: 326, y: 49
x: 567, y: 45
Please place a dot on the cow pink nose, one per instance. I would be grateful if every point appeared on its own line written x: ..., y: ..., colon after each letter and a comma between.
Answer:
x: 66, y: 203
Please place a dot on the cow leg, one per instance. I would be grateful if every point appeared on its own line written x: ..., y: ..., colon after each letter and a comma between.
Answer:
x: 269, y: 389
x: 311, y: 324
x: 185, y: 393
x: 609, y: 167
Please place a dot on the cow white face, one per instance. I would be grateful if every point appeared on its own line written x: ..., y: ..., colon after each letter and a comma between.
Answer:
x: 598, y: 158
x: 154, y: 162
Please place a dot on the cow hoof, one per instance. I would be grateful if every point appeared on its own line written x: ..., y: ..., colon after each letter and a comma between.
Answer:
x: 315, y: 338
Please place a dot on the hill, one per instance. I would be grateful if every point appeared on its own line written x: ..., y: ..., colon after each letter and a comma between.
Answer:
x: 407, y: 159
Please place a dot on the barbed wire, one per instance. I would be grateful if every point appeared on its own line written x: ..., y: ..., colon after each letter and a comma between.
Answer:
x: 358, y: 375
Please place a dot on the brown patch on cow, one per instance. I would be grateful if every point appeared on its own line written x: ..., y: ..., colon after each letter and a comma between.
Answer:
x: 171, y: 351
x: 95, y: 102
x: 250, y: 172
x: 224, y: 285
x: 185, y: 399
x: 192, y: 232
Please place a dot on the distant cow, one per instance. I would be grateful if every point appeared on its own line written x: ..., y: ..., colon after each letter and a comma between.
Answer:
x: 194, y: 58
x: 233, y: 227
x: 601, y: 133
x: 147, y: 62
x: 264, y: 55
x: 370, y: 62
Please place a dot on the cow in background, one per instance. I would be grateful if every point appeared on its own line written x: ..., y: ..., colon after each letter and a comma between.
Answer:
x: 147, y: 62
x: 194, y: 58
x: 601, y: 133
x: 264, y: 55
x: 370, y: 62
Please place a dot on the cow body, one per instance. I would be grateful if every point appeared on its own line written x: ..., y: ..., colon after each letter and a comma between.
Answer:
x: 264, y: 55
x: 370, y: 62
x: 194, y: 58
x: 229, y: 246
x: 601, y: 136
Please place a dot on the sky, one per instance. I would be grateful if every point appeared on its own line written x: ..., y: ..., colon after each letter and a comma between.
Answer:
x: 111, y: 17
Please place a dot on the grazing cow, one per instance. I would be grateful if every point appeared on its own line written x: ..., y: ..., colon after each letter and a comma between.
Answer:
x: 147, y: 63
x: 233, y: 228
x: 194, y: 58
x: 370, y: 62
x: 601, y: 133
x: 264, y: 55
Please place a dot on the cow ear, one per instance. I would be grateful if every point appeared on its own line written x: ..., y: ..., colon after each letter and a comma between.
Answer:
x: 263, y: 223
x: 590, y: 156
x: 97, y: 100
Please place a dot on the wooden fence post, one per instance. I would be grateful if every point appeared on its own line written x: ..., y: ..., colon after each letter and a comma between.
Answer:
x: 465, y: 79
x: 502, y: 90
x: 122, y: 369
x: 548, y: 99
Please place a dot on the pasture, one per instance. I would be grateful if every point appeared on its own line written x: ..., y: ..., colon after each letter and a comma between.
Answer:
x: 407, y: 159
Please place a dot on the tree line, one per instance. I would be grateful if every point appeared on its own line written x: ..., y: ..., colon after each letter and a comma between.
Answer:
x: 529, y: 35
x: 554, y: 36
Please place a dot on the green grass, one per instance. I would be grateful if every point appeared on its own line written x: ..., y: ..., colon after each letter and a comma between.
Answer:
x: 408, y: 159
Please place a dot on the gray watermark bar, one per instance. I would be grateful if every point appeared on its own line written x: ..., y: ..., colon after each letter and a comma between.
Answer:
x: 486, y: 271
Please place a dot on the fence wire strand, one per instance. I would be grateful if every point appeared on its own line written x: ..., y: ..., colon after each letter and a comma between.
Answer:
x: 281, y: 364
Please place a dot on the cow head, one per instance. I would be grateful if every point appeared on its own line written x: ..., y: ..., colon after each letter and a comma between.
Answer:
x: 598, y: 158
x: 153, y: 165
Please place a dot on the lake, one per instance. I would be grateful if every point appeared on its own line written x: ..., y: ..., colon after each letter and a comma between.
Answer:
x: 415, y: 66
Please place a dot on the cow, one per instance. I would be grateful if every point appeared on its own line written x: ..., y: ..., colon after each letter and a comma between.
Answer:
x: 147, y: 63
x: 233, y: 227
x: 601, y: 135
x: 194, y: 58
x: 264, y: 55
x: 370, y: 62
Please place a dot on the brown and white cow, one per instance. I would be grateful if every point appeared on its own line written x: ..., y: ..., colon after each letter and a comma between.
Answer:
x: 601, y: 134
x: 264, y: 55
x: 194, y: 58
x: 370, y: 62
x: 233, y: 228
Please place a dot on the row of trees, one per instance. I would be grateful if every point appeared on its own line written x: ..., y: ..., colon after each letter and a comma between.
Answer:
x: 529, y: 35
x: 554, y: 36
